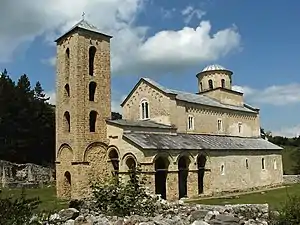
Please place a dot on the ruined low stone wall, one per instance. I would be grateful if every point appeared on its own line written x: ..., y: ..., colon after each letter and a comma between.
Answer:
x: 24, y: 175
x: 250, y: 214
x: 291, y: 179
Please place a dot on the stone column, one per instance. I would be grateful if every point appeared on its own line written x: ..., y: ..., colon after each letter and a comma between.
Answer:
x: 172, y: 183
x: 192, y: 181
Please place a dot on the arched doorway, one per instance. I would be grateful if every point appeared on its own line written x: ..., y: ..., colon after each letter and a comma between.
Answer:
x: 130, y: 163
x: 114, y: 160
x: 201, y: 161
x: 161, y: 172
x: 131, y: 168
x: 183, y: 171
x: 67, y: 184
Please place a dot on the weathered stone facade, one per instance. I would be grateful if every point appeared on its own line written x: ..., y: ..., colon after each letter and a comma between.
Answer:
x: 186, y: 144
x: 83, y: 105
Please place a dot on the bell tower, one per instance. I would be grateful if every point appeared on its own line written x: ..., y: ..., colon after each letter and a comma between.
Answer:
x: 83, y: 103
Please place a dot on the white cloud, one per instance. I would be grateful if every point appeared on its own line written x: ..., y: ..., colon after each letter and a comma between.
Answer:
x: 289, y: 132
x: 132, y: 50
x: 115, y: 104
x: 273, y: 95
x: 52, y: 96
x: 50, y: 61
x: 189, y: 12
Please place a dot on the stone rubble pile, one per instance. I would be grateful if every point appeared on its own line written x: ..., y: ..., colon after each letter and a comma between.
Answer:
x: 169, y: 214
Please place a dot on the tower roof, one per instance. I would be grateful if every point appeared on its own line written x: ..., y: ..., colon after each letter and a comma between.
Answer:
x: 213, y: 67
x: 84, y: 25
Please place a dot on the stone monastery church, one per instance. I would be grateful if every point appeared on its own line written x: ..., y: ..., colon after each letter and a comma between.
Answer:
x: 187, y: 144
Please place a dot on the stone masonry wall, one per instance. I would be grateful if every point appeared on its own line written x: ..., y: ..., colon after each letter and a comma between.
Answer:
x: 291, y: 179
x: 79, y: 150
x: 29, y: 175
x: 168, y: 111
x: 242, y: 169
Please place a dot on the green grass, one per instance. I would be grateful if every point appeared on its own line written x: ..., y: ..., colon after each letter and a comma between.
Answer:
x: 47, y: 196
x: 274, y: 198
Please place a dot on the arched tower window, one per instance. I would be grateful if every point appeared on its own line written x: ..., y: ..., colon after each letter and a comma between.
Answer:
x: 67, y: 62
x: 210, y: 84
x: 144, y: 109
x: 93, y: 119
x: 201, y: 86
x: 223, y: 83
x: 92, y: 53
x: 247, y: 164
x: 92, y: 90
x: 67, y: 122
x: 222, y: 169
x: 67, y: 90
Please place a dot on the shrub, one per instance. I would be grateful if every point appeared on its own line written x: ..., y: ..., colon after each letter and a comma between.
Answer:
x: 124, y: 198
x: 17, y: 211
x: 289, y: 212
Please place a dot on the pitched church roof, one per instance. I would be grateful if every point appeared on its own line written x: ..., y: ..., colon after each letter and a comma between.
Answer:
x: 193, y: 98
x: 183, y: 141
x: 84, y: 25
x: 139, y: 123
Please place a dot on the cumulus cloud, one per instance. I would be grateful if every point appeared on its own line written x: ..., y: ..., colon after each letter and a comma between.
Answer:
x: 52, y: 96
x: 289, y: 132
x: 274, y: 95
x: 50, y: 61
x: 189, y: 12
x: 115, y: 104
x: 132, y: 50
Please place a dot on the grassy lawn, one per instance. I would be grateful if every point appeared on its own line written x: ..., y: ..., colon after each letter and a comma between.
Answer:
x: 46, y: 195
x: 273, y: 197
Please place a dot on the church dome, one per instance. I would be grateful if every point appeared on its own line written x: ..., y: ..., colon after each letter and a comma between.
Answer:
x: 213, y: 67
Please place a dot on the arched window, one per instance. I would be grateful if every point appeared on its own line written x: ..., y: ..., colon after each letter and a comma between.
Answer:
x: 263, y: 166
x: 275, y: 164
x: 67, y: 185
x: 247, y: 164
x: 93, y: 118
x: 223, y: 83
x: 222, y: 169
x: 210, y: 84
x: 67, y: 122
x: 92, y: 53
x: 67, y: 62
x: 219, y: 125
x: 201, y: 86
x: 240, y: 127
x: 67, y: 90
x: 190, y: 122
x: 92, y: 90
x: 144, y: 109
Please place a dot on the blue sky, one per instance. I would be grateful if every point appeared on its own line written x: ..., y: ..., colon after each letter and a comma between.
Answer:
x: 170, y: 41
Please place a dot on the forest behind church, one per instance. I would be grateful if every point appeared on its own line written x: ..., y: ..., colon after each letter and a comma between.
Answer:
x: 27, y: 126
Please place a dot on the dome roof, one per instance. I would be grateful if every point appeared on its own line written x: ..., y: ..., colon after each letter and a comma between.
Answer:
x: 213, y: 67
